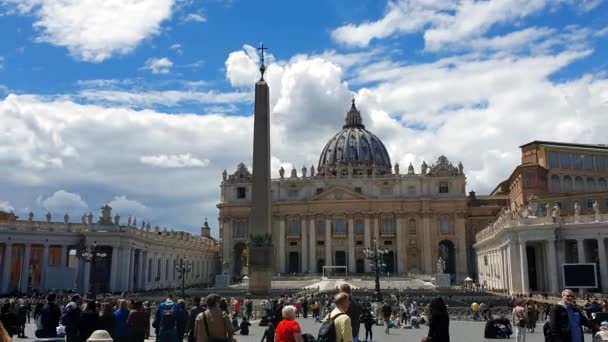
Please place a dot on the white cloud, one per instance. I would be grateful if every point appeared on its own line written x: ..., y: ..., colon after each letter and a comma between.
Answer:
x: 125, y: 207
x: 64, y: 202
x: 174, y: 161
x: 177, y: 48
x: 194, y: 17
x: 158, y: 65
x: 169, y: 98
x: 6, y: 206
x: 95, y: 30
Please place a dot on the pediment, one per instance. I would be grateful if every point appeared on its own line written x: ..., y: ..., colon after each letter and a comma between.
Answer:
x: 339, y: 194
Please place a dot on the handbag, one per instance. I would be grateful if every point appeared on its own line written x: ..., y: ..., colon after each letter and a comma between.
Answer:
x: 213, y: 338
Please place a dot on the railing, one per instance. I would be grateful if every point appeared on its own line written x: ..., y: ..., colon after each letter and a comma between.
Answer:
x: 507, y: 220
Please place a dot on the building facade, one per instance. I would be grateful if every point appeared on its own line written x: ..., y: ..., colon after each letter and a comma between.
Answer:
x: 353, y: 199
x: 556, y: 197
x: 45, y: 255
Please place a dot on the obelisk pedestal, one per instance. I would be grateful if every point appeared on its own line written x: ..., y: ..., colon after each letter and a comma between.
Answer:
x: 260, y: 244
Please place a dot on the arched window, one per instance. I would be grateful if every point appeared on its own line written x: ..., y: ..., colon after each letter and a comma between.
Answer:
x: 555, y: 184
x: 590, y: 185
x: 411, y: 226
x: 579, y: 184
x: 388, y: 225
x: 567, y: 184
x: 602, y: 185
x: 340, y: 226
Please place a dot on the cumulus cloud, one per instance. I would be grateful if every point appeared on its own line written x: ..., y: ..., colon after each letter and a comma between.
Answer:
x: 123, y: 206
x: 6, y: 206
x: 158, y: 65
x: 64, y: 202
x: 174, y: 161
x: 94, y: 30
x: 167, y: 98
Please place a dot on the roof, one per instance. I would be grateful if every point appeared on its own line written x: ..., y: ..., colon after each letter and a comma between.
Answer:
x: 557, y: 143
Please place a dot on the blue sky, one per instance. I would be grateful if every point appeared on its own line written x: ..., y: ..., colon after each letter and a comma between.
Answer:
x: 142, y: 104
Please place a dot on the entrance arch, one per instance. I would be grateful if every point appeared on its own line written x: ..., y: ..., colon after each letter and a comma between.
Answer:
x: 320, y: 264
x: 294, y: 262
x: 340, y: 261
x: 360, y: 266
x: 389, y: 261
x: 448, y: 254
x: 240, y: 260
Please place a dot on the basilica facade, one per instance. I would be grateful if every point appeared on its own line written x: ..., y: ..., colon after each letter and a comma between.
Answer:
x: 353, y: 199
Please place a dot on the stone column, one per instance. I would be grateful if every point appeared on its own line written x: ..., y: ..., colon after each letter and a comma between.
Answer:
x: 461, y: 247
x: 281, y: 242
x: 524, y: 267
x: 141, y: 272
x: 304, y: 249
x: 114, y: 270
x: 313, y: 244
x: 328, y: 258
x: 514, y: 267
x: 580, y: 244
x: 601, y: 248
x: 227, y: 246
x: 25, y: 268
x: 377, y: 229
x: 6, y: 266
x: 351, y: 245
x: 426, y: 244
x: 367, y: 240
x: 64, y: 256
x: 552, y: 270
x: 86, y: 281
x: 400, y: 250
x: 131, y: 269
x: 44, y: 266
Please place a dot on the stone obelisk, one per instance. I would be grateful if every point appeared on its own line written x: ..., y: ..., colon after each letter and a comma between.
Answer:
x: 260, y: 243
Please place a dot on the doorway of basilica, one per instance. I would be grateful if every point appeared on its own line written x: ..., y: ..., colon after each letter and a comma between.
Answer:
x: 240, y: 260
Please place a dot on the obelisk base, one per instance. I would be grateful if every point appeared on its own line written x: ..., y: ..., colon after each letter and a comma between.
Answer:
x: 260, y: 270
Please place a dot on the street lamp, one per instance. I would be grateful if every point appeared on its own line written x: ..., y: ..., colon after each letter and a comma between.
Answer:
x: 376, y: 256
x: 90, y: 254
x: 183, y: 268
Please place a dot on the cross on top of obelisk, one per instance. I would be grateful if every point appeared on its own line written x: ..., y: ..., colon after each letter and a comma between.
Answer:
x: 262, y: 66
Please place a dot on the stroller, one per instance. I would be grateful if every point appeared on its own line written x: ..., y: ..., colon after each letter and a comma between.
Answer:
x: 498, y: 328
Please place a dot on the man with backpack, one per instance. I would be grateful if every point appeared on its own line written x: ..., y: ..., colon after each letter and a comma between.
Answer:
x: 337, y: 327
x: 353, y: 312
x: 165, y: 321
x: 71, y: 319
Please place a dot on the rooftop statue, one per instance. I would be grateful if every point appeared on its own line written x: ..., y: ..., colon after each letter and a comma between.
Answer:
x: 312, y: 170
x: 396, y: 168
x: 90, y: 218
x: 282, y: 172
x: 294, y: 173
x: 424, y: 167
x: 48, y: 217
x: 30, y: 217
x: 410, y: 169
x: 117, y: 220
x: 304, y: 171
x: 66, y: 218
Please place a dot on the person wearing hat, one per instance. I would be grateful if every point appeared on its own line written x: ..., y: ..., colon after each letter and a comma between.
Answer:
x: 100, y: 336
x: 602, y: 335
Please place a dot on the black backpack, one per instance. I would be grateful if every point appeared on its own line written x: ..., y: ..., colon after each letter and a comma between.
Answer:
x: 327, y: 332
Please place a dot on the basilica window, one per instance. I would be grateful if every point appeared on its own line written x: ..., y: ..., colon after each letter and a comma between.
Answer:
x: 320, y: 227
x: 443, y: 187
x: 553, y: 159
x: 388, y: 225
x: 359, y: 227
x: 555, y: 183
x: 564, y: 160
x: 602, y: 185
x: 590, y: 184
x: 579, y: 184
x: 240, y: 228
x: 319, y: 190
x: 358, y: 189
x: 567, y: 184
x: 241, y: 192
x: 320, y: 243
x: 55, y: 256
x: 444, y: 225
x: 293, y: 226
x: 293, y: 243
x: 340, y: 226
x: 411, y: 226
x: 587, y: 161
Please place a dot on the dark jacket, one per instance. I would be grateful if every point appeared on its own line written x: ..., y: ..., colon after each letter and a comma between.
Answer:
x: 439, y: 328
x: 138, y: 322
x: 559, y: 324
x: 354, y: 312
x: 50, y: 316
x: 106, y: 322
x: 89, y: 322
x: 71, y: 318
x: 192, y: 314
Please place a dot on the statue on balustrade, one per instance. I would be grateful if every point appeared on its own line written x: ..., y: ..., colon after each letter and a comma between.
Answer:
x: 549, y: 210
x: 294, y: 173
x: 30, y: 217
x: 312, y: 170
x: 106, y: 215
x: 83, y: 219
x: 557, y: 211
x: 90, y: 218
x: 532, y: 205
x: 129, y: 222
x: 596, y: 210
x: 410, y: 169
x: 304, y: 171
x: 66, y: 218
x: 577, y: 209
x: 117, y: 220
x: 424, y: 167
x: 224, y: 175
x: 396, y: 168
x: 282, y: 172
x: 48, y: 217
x: 460, y: 169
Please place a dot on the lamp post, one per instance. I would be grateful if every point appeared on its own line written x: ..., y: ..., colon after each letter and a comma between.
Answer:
x: 183, y: 268
x: 376, y: 256
x: 89, y: 254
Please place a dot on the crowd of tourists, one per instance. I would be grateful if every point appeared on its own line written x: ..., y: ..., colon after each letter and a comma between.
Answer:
x: 339, y: 317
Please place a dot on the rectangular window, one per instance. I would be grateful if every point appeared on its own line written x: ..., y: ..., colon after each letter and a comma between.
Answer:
x: 443, y: 187
x: 587, y: 162
x: 411, y: 190
x: 577, y: 161
x: 444, y: 225
x: 359, y: 243
x: 293, y: 227
x: 340, y: 226
x: 320, y: 243
x: 388, y: 225
x: 293, y: 243
x: 359, y: 227
x: 320, y: 227
x: 388, y: 242
x: 358, y: 189
x: 564, y: 160
x: 599, y: 162
x: 241, y: 192
x: 589, y: 203
x: 54, y: 256
x: 553, y: 159
x: 240, y: 228
x: 319, y: 190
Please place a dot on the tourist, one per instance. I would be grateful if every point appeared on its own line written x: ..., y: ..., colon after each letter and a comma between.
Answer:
x: 344, y: 330
x: 4, y: 337
x: 387, y: 310
x: 268, y: 333
x: 533, y: 313
x: 106, y: 319
x: 71, y: 319
x: 244, y: 326
x: 354, y: 311
x: 121, y: 329
x: 22, y: 317
x: 368, y: 322
x: 148, y: 312
x: 519, y: 318
x: 566, y: 320
x: 305, y: 307
x: 50, y: 316
x: 315, y: 310
x: 196, y: 309
x: 288, y: 329
x: 89, y: 320
x: 181, y: 316
x: 137, y: 321
x: 235, y: 323
x: 439, y: 321
x: 602, y: 334
x: 9, y: 319
x: 236, y: 306
x: 38, y: 316
x: 165, y: 321
x: 213, y: 324
x: 249, y: 308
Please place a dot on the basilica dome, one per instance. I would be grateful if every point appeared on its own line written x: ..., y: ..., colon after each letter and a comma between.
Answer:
x: 354, y: 150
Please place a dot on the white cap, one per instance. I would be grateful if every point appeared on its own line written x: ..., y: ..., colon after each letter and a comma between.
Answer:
x: 100, y: 336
